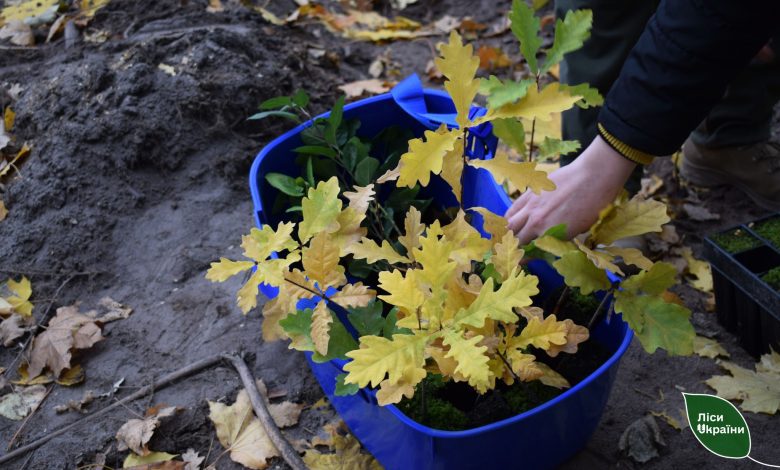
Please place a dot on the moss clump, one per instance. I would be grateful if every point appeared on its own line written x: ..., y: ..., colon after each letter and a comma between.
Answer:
x: 736, y: 241
x: 772, y: 277
x: 437, y: 413
x: 770, y: 230
x: 523, y: 396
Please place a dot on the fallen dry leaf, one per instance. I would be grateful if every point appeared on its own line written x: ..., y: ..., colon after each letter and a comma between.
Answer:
x: 115, y: 310
x: 22, y: 402
x: 670, y: 420
x: 15, y: 297
x: 152, y: 461
x: 759, y: 390
x: 9, y: 118
x: 14, y: 327
x: 699, y: 213
x: 491, y: 58
x: 18, y: 32
x: 56, y: 27
x: 346, y: 453
x: 73, y: 376
x: 215, y: 6
x: 371, y: 86
x: 135, y: 433
x: 192, y: 460
x: 67, y: 331
x: 706, y: 347
x: 241, y: 433
x: 701, y: 270
x: 27, y: 10
x: 650, y: 186
x: 641, y: 439
x: 77, y: 405
x: 5, y: 166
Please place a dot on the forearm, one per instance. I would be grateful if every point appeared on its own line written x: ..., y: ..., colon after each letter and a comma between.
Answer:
x: 680, y: 67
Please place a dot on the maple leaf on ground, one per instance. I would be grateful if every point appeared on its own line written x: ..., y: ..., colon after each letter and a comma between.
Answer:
x: 320, y: 208
x: 14, y: 327
x: 192, y: 460
x: 523, y: 176
x: 346, y: 455
x: 67, y: 331
x: 426, y: 156
x: 758, y: 390
x: 241, y: 433
x: 706, y: 347
x: 152, y: 461
x: 136, y: 433
x: 459, y: 65
x: 19, y: 299
x: 21, y: 402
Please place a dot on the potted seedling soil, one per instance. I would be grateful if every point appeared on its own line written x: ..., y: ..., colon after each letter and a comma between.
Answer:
x: 381, y: 245
x: 746, y: 278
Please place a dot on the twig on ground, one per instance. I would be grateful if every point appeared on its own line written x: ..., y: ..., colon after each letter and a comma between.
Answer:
x: 161, y: 382
x: 289, y: 454
x: 24, y: 423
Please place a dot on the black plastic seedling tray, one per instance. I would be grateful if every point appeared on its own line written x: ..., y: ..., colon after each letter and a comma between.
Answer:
x: 746, y: 304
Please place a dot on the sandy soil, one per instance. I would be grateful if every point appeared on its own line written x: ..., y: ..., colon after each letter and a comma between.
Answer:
x: 138, y: 180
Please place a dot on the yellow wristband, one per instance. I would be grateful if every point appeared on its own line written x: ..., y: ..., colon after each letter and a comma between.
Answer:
x: 636, y: 156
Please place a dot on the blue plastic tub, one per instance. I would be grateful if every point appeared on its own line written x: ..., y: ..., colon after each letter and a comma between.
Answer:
x: 543, y: 437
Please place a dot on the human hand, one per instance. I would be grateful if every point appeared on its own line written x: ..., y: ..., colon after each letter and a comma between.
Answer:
x: 583, y: 188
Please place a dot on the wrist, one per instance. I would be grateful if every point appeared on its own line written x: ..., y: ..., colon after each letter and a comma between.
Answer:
x: 605, y: 166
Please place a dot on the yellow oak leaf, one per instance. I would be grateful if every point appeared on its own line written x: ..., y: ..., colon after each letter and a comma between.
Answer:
x: 551, y: 378
x: 369, y: 250
x: 542, y: 333
x: 452, y: 170
x: 506, y: 255
x: 360, y: 198
x: 599, y: 259
x: 241, y: 433
x: 19, y: 300
x: 379, y: 357
x: 247, y: 294
x: 466, y: 243
x: 657, y: 323
x: 575, y: 334
x: 272, y: 272
x: 320, y: 208
x: 413, y: 228
x: 654, y: 281
x: 260, y: 243
x: 635, y: 217
x: 389, y: 175
x: 554, y: 246
x: 759, y: 391
x: 390, y: 393
x: 224, y: 269
x: 426, y: 156
x: 273, y: 313
x: 578, y: 271
x: 459, y: 64
x: 354, y: 295
x: 630, y: 256
x: 523, y: 365
x: 493, y: 224
x: 433, y: 255
x: 446, y: 365
x: 349, y: 231
x: 541, y: 105
x: 471, y: 358
x: 516, y: 291
x: 402, y: 289
x: 320, y: 328
x: 296, y: 287
x: 321, y: 262
x: 523, y: 176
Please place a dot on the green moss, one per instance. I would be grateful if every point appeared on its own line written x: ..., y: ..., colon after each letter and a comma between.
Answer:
x: 522, y: 396
x: 437, y: 413
x: 770, y: 230
x: 736, y: 241
x: 772, y: 277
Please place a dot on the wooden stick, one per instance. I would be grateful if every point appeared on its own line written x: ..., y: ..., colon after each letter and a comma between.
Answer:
x: 261, y: 410
x: 156, y: 385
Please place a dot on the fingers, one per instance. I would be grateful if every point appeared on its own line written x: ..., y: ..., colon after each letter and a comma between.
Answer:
x: 517, y: 221
x: 517, y: 205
